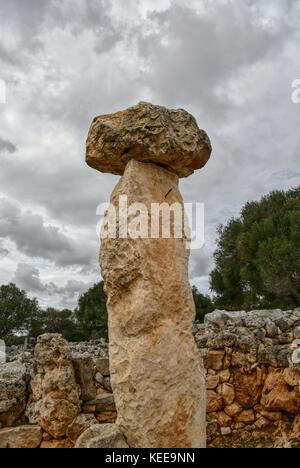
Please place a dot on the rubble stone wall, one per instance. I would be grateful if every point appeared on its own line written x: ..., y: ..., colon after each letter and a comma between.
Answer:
x: 253, y: 378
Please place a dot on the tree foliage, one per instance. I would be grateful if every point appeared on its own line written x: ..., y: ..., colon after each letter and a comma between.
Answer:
x: 54, y: 320
x: 91, y: 313
x: 203, y: 304
x: 16, y: 311
x: 21, y: 316
x: 258, y: 255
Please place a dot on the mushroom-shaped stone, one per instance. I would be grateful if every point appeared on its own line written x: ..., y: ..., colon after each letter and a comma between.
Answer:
x: 147, y: 133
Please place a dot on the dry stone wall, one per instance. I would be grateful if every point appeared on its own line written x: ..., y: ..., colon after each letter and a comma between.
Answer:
x: 253, y: 378
x: 252, y: 370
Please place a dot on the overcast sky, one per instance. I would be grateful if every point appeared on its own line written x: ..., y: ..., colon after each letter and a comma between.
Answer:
x: 230, y: 63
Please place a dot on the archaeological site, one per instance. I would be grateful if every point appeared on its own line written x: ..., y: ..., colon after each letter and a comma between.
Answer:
x: 161, y: 380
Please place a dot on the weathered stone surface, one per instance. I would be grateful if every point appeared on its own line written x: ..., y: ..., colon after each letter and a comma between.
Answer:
x: 225, y: 431
x: 292, y: 377
x: 223, y: 419
x: 56, y: 444
x: 147, y: 133
x: 227, y: 393
x: 102, y: 436
x: 102, y: 366
x: 156, y: 371
x: 103, y: 383
x: 240, y: 359
x: 224, y: 375
x: 85, y: 370
x: 262, y: 423
x: 79, y: 425
x: 296, y: 332
x: 271, y: 415
x: 56, y: 386
x: 214, y: 402
x: 104, y: 402
x: 212, y: 382
x: 13, y: 390
x: 246, y: 416
x: 248, y: 388
x: 220, y: 318
x: 221, y: 340
x: 106, y: 417
x: 278, y: 395
x: 233, y: 409
x: 20, y: 437
x: 214, y: 359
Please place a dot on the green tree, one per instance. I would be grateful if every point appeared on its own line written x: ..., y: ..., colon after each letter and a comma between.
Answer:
x: 258, y: 255
x: 16, y: 311
x: 53, y: 320
x: 91, y: 313
x: 203, y: 304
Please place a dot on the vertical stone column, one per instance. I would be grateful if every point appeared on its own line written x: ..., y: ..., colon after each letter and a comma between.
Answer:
x: 156, y: 372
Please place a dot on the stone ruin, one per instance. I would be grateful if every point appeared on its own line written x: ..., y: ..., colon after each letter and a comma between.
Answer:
x: 156, y: 372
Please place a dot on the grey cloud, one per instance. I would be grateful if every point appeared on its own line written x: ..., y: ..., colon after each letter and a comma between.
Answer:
x: 36, y: 239
x: 70, y: 191
x: 29, y: 18
x: 200, y: 262
x: 192, y: 56
x: 25, y: 18
x: 28, y: 278
x: 7, y: 146
x: 3, y: 251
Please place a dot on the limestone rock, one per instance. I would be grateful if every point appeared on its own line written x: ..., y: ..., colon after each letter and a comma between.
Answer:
x: 56, y: 444
x: 224, y: 375
x: 59, y: 404
x: 214, y: 402
x: 102, y: 436
x: 35, y: 399
x: 214, y: 359
x: 227, y: 393
x: 20, y: 437
x: 233, y: 409
x: 156, y: 372
x: 106, y: 417
x: 13, y: 392
x: 278, y: 395
x: 225, y: 431
x: 296, y: 332
x: 248, y: 388
x: 222, y: 340
x: 262, y: 423
x: 104, y: 383
x: 292, y: 377
x: 270, y: 415
x: 102, y: 366
x: 223, y: 419
x: 212, y: 382
x: 104, y: 402
x: 80, y: 424
x: 147, y: 133
x: 246, y: 416
x: 220, y: 318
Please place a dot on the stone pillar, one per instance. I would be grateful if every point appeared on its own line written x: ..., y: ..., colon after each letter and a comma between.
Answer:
x: 157, y: 375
